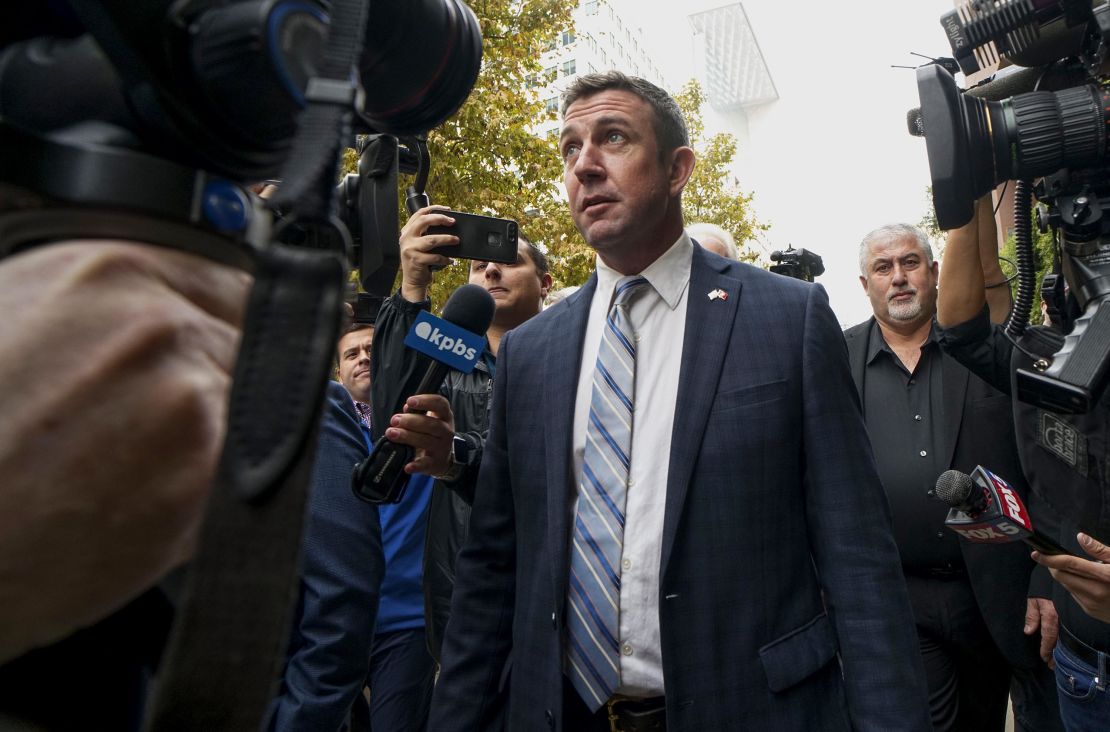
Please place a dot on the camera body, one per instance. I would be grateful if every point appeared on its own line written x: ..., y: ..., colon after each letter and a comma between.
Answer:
x: 182, y: 105
x: 801, y: 264
x: 1048, y: 128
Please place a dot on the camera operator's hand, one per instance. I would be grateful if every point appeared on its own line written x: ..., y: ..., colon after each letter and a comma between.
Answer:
x: 1040, y: 614
x: 116, y: 362
x: 430, y: 434
x: 1087, y: 581
x: 417, y: 257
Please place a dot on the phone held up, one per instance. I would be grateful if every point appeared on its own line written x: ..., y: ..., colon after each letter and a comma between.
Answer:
x: 480, y: 237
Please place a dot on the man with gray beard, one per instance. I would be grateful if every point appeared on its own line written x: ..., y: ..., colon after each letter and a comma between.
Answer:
x: 976, y: 611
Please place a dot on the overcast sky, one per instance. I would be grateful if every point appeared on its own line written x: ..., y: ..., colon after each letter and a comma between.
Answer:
x: 831, y: 159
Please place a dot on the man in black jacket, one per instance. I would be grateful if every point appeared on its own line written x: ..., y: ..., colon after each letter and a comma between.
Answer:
x: 518, y: 291
x: 925, y: 414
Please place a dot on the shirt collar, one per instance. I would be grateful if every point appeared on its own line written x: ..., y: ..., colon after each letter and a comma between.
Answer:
x: 668, y: 275
x: 876, y: 344
x: 364, y: 412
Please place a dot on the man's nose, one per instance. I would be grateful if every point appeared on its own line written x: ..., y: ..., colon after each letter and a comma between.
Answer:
x: 493, y: 271
x: 587, y: 164
x: 899, y: 274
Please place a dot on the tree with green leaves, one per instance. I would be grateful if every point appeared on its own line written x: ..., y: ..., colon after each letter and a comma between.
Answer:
x: 711, y: 196
x: 485, y: 159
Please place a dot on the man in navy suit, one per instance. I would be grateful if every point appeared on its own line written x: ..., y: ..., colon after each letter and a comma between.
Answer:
x: 700, y: 542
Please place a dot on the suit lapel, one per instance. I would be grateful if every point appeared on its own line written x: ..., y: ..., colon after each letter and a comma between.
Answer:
x: 562, y: 359
x: 709, y: 325
x: 954, y: 379
x: 858, y: 340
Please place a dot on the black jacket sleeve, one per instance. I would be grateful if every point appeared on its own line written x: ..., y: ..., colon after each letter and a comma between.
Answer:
x: 982, y: 348
x: 395, y: 371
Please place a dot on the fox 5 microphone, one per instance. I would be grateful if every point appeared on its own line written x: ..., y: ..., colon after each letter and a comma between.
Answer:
x: 455, y: 341
x: 986, y: 509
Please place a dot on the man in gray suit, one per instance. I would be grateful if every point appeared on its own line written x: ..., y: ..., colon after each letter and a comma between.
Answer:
x: 700, y: 542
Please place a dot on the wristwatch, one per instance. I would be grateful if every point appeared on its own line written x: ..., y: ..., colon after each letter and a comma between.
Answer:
x: 456, y: 460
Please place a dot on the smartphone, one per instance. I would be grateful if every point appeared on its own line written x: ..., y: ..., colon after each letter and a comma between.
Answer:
x: 480, y: 237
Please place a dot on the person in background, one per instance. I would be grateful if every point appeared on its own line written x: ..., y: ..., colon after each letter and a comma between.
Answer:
x: 925, y: 414
x: 715, y: 239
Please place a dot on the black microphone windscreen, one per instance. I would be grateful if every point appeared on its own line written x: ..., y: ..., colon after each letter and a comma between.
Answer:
x: 954, y: 487
x: 915, y: 122
x: 470, y: 307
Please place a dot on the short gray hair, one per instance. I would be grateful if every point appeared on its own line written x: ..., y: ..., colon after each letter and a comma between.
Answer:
x: 715, y: 232
x: 668, y: 123
x: 891, y: 232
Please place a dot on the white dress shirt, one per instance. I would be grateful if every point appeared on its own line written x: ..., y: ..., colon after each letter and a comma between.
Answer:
x: 658, y: 316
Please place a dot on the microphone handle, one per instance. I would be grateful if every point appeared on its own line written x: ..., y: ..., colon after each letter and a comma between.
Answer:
x: 433, y: 379
x: 381, y: 477
x: 1045, y: 544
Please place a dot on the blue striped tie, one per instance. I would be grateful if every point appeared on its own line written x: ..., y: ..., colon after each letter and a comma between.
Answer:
x: 593, y: 626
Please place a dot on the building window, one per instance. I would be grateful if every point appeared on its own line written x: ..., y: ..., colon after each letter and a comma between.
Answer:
x: 550, y: 74
x: 590, y: 7
x: 551, y: 106
x: 569, y: 68
x: 551, y: 44
x: 567, y: 38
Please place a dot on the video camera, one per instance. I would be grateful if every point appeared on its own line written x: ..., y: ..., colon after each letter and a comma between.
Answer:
x: 160, y: 113
x: 148, y: 121
x: 1047, y: 127
x: 800, y: 264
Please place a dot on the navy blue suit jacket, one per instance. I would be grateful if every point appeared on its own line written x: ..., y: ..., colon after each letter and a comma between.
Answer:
x: 342, y: 566
x: 777, y: 557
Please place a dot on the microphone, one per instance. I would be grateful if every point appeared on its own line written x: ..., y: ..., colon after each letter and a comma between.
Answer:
x: 985, y: 509
x: 915, y: 122
x: 455, y: 341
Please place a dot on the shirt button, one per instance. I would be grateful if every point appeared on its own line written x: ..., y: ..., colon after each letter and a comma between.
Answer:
x: 554, y: 622
x: 637, y: 337
x: 917, y: 418
x: 631, y: 482
x: 626, y: 563
x: 626, y: 649
x: 912, y: 382
x: 940, y: 534
x: 922, y: 453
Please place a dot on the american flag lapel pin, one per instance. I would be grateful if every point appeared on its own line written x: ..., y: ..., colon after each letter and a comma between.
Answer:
x: 718, y: 294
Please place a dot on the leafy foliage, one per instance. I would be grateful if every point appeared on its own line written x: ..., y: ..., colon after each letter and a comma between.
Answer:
x: 710, y: 196
x: 1044, y: 252
x: 486, y: 158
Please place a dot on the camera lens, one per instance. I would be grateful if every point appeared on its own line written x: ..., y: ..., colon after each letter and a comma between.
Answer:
x: 420, y: 60
x: 974, y: 144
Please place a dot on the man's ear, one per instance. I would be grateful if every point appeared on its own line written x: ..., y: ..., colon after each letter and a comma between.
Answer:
x: 863, y: 281
x: 682, y: 165
x: 545, y: 285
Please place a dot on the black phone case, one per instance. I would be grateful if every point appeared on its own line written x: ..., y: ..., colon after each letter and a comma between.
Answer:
x: 480, y: 237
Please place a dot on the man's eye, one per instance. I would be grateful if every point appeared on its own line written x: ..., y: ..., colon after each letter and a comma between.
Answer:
x: 569, y: 151
x: 615, y: 137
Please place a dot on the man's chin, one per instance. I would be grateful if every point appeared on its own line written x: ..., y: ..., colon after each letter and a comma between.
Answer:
x: 905, y: 313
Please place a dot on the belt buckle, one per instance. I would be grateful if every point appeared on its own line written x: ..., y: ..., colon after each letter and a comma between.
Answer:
x: 614, y: 718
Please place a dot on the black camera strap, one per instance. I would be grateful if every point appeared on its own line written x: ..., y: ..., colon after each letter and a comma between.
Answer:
x: 228, y: 644
x: 230, y: 632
